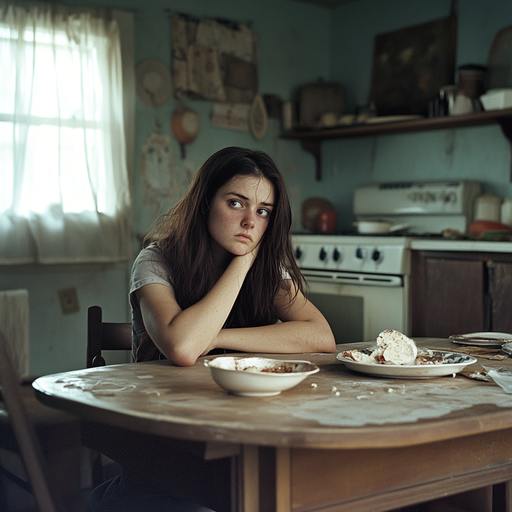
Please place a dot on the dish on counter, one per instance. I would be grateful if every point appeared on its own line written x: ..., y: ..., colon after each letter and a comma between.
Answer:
x: 258, y: 376
x: 452, y: 363
x: 482, y: 339
x: 391, y: 119
x: 507, y: 349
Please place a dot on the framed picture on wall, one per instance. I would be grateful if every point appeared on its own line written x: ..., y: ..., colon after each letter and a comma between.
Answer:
x: 411, y: 65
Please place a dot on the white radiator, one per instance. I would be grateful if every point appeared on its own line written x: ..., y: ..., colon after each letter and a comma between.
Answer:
x: 14, y: 326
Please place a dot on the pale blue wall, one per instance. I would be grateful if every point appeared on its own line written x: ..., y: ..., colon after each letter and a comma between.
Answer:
x: 298, y: 43
x: 476, y: 153
x: 294, y: 42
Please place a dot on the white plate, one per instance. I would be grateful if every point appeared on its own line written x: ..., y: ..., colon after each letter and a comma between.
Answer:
x: 456, y: 363
x: 482, y: 339
x: 258, y: 376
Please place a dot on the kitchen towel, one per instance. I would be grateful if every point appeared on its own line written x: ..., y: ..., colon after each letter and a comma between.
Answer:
x: 14, y: 315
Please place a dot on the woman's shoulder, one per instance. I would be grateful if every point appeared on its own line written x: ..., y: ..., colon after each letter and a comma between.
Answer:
x: 150, y: 266
x: 151, y: 257
x: 150, y: 253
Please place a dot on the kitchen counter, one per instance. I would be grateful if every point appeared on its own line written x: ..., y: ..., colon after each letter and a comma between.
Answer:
x: 429, y: 244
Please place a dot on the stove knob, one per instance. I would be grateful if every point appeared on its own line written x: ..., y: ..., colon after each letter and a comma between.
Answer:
x: 336, y: 255
x: 360, y: 253
x: 322, y: 254
x: 451, y: 198
x: 298, y: 253
x: 376, y: 255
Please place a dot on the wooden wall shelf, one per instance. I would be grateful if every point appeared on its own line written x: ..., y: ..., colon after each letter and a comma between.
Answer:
x: 311, y: 140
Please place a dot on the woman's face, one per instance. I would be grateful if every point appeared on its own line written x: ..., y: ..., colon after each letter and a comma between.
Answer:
x: 240, y: 213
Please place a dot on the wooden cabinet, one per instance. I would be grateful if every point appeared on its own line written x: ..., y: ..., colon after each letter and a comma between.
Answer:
x: 459, y: 292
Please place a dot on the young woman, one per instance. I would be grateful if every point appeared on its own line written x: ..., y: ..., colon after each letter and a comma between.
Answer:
x: 218, y: 273
x: 218, y: 270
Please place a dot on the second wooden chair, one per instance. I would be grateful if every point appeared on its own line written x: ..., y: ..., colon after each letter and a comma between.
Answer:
x: 105, y: 336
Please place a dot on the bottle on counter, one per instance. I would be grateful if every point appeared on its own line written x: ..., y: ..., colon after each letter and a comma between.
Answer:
x: 488, y: 207
x: 506, y: 211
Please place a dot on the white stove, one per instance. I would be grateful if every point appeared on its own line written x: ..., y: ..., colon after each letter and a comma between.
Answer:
x: 360, y: 282
x: 426, y: 207
x: 367, y: 254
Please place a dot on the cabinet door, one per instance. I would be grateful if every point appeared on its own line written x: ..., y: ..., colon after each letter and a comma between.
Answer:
x: 500, y: 291
x: 447, y: 296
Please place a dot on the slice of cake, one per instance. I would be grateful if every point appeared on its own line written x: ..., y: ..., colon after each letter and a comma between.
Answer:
x: 394, y: 347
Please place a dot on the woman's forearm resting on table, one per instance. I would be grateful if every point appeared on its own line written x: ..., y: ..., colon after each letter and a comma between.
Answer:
x: 285, y: 338
x: 184, y: 335
x: 198, y: 329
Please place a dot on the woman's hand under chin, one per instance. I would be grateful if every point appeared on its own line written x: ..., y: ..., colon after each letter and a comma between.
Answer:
x: 249, y: 257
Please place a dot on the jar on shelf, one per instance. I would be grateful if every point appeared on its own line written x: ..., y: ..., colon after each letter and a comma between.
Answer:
x: 470, y: 87
x: 472, y: 80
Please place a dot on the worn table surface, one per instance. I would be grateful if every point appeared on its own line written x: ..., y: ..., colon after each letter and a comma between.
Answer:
x: 335, y: 408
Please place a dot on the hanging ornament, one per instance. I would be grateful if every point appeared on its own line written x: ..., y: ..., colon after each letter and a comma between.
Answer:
x: 258, y: 118
x: 185, y: 127
x: 153, y: 83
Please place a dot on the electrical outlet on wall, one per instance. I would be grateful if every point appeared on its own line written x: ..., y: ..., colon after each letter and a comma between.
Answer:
x: 68, y: 300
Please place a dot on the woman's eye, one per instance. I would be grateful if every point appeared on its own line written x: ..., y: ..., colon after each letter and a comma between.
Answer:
x: 235, y: 203
x: 263, y: 213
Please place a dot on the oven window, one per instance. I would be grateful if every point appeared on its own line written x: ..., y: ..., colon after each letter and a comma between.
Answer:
x: 344, y: 314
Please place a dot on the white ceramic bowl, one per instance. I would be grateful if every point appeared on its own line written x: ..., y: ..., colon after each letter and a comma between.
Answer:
x: 258, y: 376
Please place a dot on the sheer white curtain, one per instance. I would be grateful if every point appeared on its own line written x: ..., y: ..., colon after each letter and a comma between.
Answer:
x: 64, y: 190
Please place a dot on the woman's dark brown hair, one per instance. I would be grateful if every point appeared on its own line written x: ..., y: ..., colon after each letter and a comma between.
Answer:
x: 182, y: 233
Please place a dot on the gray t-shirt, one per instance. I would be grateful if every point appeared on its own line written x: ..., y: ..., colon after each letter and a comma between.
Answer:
x: 149, y: 267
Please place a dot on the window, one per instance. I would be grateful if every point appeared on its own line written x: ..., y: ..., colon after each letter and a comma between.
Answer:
x: 65, y: 191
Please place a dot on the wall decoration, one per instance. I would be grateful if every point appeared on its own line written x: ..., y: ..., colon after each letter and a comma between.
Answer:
x: 233, y: 116
x: 163, y: 181
x: 411, y: 65
x: 258, y: 118
x: 214, y: 60
x: 153, y: 83
x: 185, y: 127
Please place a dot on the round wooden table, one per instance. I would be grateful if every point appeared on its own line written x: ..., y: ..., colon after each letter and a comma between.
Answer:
x: 340, y: 440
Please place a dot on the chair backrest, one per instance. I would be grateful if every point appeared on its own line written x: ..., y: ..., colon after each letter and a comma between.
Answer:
x: 28, y: 444
x: 105, y: 336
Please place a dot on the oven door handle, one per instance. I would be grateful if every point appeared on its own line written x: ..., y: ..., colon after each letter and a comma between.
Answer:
x: 355, y: 278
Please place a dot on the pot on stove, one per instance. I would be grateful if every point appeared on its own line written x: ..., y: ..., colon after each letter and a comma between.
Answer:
x: 379, y: 227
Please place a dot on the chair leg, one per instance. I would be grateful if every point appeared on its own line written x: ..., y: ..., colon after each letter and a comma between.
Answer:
x: 508, y: 496
x: 98, y: 474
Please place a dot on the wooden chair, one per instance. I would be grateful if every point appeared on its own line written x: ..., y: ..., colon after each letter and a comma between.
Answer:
x: 105, y: 336
x: 47, y: 498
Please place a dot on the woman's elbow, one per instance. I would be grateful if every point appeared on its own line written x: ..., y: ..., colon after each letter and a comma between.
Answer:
x: 178, y: 349
x: 327, y: 341
x: 181, y: 354
x: 181, y: 358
